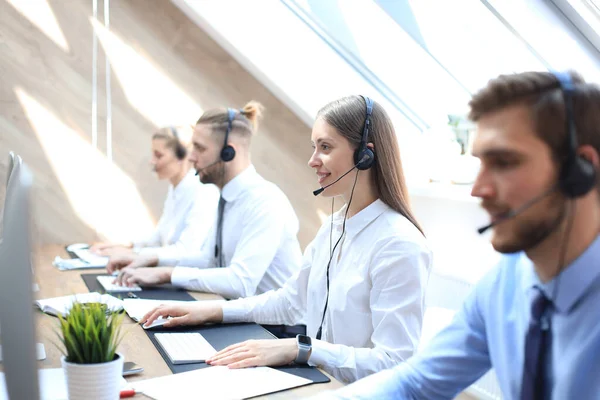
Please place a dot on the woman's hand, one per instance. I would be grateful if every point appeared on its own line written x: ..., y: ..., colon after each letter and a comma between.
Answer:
x: 194, y: 313
x: 254, y: 353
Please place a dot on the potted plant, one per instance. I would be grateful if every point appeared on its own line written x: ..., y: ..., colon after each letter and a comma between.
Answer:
x: 93, y: 369
x: 465, y: 167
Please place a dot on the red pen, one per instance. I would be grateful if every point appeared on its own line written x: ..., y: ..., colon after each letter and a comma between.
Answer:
x: 124, y: 394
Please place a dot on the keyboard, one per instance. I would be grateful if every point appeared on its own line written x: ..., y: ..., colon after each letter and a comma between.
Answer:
x: 185, y: 348
x: 109, y: 286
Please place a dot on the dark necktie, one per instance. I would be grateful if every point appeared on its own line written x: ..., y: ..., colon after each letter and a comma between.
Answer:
x: 536, y: 346
x: 219, y: 240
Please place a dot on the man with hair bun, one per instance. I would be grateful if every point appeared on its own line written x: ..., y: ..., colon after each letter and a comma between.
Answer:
x: 252, y: 247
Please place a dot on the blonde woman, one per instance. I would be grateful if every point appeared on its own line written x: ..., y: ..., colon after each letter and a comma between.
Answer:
x: 189, y: 209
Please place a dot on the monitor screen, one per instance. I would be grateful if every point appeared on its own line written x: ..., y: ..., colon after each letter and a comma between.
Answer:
x: 17, y: 327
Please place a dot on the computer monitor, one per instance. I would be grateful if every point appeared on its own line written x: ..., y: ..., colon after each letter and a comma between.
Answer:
x: 14, y: 163
x: 17, y: 327
x: 11, y: 163
x: 12, y: 160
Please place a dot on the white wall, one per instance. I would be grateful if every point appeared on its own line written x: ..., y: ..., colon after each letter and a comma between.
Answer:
x: 451, y: 227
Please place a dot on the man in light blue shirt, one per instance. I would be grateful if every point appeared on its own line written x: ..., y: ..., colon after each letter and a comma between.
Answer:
x: 535, y: 318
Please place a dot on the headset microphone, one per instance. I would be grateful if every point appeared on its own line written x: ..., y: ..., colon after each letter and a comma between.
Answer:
x: 320, y: 190
x: 517, y: 211
x: 208, y: 166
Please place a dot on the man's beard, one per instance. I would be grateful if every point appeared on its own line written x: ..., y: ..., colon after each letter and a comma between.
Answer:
x: 529, y: 233
x: 213, y: 174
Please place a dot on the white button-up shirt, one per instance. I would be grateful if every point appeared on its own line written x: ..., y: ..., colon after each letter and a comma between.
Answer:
x: 188, y: 214
x: 260, y: 246
x: 378, y: 277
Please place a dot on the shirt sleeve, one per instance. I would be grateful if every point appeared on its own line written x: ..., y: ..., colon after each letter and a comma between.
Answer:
x: 198, y: 222
x: 452, y: 361
x: 398, y: 276
x: 285, y: 306
x: 262, y: 230
x: 153, y: 239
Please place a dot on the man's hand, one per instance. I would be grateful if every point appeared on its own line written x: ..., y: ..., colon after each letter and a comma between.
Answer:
x: 194, y: 313
x: 131, y: 261
x: 254, y: 353
x: 144, y: 276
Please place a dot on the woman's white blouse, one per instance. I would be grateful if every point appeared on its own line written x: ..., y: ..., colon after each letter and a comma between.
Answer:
x: 378, y: 277
x: 188, y: 214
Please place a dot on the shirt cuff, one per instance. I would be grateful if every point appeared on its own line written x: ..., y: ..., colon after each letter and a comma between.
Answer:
x: 181, y: 276
x: 322, y: 354
x: 235, y: 311
x: 166, y: 255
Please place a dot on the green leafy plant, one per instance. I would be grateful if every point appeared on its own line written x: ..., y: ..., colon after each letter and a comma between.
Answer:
x: 90, y: 335
x: 462, y: 128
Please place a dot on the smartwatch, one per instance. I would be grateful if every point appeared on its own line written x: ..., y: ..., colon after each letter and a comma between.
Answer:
x: 304, y: 349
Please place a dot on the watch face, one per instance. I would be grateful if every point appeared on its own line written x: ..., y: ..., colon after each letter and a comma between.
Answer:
x: 304, y: 339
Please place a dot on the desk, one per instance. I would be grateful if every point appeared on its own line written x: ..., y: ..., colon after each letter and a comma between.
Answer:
x: 135, y: 345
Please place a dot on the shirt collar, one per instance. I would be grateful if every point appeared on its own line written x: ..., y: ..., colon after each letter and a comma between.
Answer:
x: 187, y: 182
x: 239, y: 184
x: 359, y: 221
x: 573, y: 282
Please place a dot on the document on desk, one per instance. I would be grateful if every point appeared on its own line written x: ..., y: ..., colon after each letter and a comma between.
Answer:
x: 91, y: 258
x: 74, y: 263
x: 85, y: 259
x: 62, y: 305
x: 219, y: 383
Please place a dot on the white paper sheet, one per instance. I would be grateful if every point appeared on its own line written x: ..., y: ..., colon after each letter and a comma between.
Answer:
x: 91, y: 258
x: 61, y: 305
x: 86, y: 259
x: 219, y: 383
x: 74, y: 263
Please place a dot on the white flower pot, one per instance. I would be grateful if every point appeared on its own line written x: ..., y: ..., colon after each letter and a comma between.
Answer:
x: 93, y: 381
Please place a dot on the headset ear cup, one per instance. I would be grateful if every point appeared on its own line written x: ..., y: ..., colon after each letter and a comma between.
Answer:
x: 368, y: 162
x: 227, y: 153
x: 180, y: 152
x: 578, y: 178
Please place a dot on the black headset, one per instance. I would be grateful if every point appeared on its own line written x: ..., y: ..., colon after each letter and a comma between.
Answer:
x: 577, y: 175
x: 228, y: 152
x: 364, y: 157
x: 180, y: 150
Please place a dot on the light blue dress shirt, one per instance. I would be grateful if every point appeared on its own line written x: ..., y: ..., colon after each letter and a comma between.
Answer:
x: 489, y: 331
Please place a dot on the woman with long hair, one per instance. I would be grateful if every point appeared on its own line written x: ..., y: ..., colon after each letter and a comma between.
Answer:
x: 362, y: 284
x: 189, y: 208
